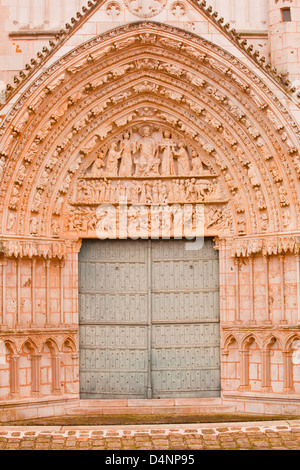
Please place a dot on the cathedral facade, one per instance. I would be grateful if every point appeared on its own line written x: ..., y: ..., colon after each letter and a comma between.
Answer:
x: 149, y: 207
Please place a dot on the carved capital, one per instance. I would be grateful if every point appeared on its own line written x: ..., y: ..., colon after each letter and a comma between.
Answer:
x: 267, y: 246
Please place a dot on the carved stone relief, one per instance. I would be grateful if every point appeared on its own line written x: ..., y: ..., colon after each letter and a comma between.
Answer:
x: 145, y: 165
x: 211, y: 97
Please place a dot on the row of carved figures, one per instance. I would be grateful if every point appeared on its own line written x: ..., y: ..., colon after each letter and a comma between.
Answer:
x: 146, y: 192
x: 110, y: 220
x: 147, y: 157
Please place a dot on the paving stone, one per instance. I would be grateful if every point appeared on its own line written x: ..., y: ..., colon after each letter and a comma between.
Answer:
x: 197, y: 447
x: 208, y: 431
x: 208, y: 438
x: 157, y: 431
x: 229, y: 445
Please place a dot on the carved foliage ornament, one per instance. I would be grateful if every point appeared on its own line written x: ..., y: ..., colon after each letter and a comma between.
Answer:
x: 266, y: 246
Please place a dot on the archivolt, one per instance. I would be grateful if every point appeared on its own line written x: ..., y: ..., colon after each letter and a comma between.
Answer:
x: 154, y: 73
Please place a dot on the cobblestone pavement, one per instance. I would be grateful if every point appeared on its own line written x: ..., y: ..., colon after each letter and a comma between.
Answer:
x: 278, y: 435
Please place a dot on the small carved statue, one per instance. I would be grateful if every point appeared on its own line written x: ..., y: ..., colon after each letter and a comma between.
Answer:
x: 147, y: 162
x: 113, y: 160
x: 197, y: 165
x: 167, y: 146
x: 127, y: 148
x: 183, y: 160
x: 98, y: 165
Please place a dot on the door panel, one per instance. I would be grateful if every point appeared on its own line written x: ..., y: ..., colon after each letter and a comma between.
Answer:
x: 149, y: 319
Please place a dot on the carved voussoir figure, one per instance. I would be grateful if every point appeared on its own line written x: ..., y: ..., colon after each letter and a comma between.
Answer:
x: 37, y: 201
x: 2, y: 167
x: 58, y: 205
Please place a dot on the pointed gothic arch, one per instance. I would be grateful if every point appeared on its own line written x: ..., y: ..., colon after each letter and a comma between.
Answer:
x: 187, y: 85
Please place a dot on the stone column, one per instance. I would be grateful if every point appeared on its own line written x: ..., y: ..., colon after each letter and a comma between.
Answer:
x: 33, y: 288
x: 14, y: 376
x: 3, y: 306
x: 283, y: 320
x: 244, y: 375
x: 48, y: 320
x: 75, y: 372
x: 267, y: 320
x: 35, y: 374
x: 237, y: 263
x: 252, y: 293
x: 61, y: 276
x: 56, y: 374
x: 266, y: 371
x: 18, y: 282
x: 298, y: 288
x: 287, y: 371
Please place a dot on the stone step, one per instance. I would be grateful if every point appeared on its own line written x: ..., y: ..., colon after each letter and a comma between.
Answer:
x: 152, y: 403
x: 151, y: 407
